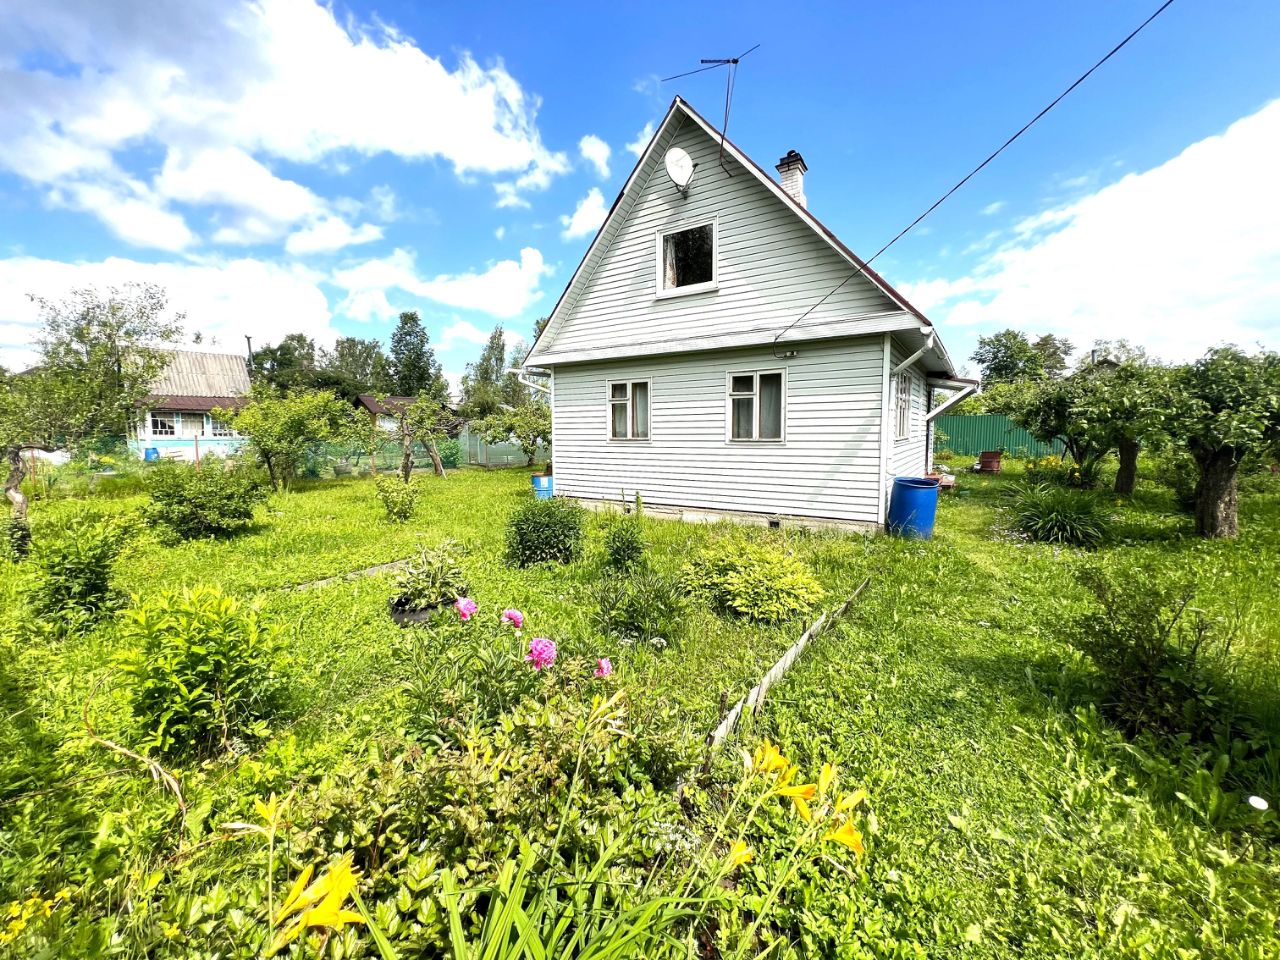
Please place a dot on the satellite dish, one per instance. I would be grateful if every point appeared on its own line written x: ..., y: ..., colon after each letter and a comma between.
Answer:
x: 679, y: 168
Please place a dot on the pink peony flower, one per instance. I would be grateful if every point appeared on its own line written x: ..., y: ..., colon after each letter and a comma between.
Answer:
x: 603, y: 667
x: 465, y: 607
x: 513, y: 617
x: 542, y: 653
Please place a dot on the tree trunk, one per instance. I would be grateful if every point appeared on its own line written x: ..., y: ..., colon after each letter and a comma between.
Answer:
x: 406, y: 450
x: 436, y: 463
x: 1127, y: 475
x: 19, y: 529
x: 1217, y: 497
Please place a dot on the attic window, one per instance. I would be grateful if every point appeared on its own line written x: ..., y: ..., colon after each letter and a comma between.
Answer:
x: 687, y: 260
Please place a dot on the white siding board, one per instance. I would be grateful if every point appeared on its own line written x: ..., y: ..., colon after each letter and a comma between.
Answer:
x: 909, y: 458
x: 827, y: 467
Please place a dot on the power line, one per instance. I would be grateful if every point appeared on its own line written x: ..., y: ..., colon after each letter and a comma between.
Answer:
x: 969, y: 176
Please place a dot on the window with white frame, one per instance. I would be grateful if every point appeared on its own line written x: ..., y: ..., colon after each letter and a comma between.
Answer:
x: 687, y: 260
x: 902, y: 408
x: 218, y: 428
x: 164, y: 425
x: 756, y: 405
x: 628, y: 409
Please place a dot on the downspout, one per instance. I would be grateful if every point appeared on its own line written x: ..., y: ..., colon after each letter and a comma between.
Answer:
x: 964, y: 392
x: 928, y: 345
x: 519, y: 372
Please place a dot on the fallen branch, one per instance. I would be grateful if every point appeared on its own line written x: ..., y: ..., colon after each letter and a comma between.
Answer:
x: 158, y: 773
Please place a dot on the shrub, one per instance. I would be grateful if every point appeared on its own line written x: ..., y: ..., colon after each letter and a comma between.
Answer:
x: 435, y: 578
x: 649, y: 608
x: 72, y: 584
x: 450, y: 453
x: 1176, y: 469
x: 1052, y: 469
x: 544, y: 531
x: 1049, y: 514
x: 201, y: 671
x: 624, y: 544
x: 1154, y: 651
x: 206, y: 502
x: 398, y: 498
x: 752, y: 581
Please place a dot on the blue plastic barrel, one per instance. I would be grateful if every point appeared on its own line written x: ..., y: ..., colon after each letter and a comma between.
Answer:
x: 151, y: 454
x: 542, y: 486
x: 912, y: 507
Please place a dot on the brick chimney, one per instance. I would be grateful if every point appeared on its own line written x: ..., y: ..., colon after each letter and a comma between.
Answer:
x: 791, y: 169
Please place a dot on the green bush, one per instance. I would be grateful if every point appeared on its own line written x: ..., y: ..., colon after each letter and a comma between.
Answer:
x: 545, y: 531
x: 204, y: 502
x: 752, y: 581
x: 398, y: 498
x: 450, y: 453
x: 1175, y: 468
x: 649, y: 608
x: 1051, y: 514
x: 624, y: 544
x: 201, y: 670
x: 72, y: 584
x: 435, y: 578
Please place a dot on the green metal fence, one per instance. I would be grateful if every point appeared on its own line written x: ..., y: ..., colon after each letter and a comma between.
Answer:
x: 972, y: 435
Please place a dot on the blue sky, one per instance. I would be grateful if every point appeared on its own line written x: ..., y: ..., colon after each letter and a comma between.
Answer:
x: 283, y: 166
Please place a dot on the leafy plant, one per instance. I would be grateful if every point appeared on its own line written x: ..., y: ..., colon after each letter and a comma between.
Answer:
x: 752, y: 581
x: 434, y: 579
x: 545, y: 531
x: 624, y: 544
x: 398, y: 497
x: 286, y: 427
x: 649, y: 608
x: 1050, y: 514
x: 72, y: 584
x: 529, y: 425
x: 1175, y: 469
x: 209, y: 501
x: 201, y: 670
x: 450, y: 453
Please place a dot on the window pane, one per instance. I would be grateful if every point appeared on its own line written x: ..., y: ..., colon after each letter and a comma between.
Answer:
x: 618, y: 427
x: 742, y: 384
x: 618, y: 391
x: 640, y: 411
x: 688, y: 257
x: 770, y: 406
x: 743, y: 414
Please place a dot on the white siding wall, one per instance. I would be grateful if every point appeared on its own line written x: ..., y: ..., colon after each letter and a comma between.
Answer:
x: 827, y: 467
x: 772, y: 266
x: 909, y: 458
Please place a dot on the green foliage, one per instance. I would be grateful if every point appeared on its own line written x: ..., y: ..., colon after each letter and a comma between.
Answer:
x: 201, y: 671
x: 545, y: 531
x: 450, y: 453
x: 1052, y: 469
x: 415, y: 370
x: 1051, y: 514
x: 1008, y: 356
x: 650, y: 608
x: 398, y: 498
x: 284, y: 427
x: 529, y: 425
x: 1048, y: 411
x: 624, y: 544
x: 73, y: 571
x: 752, y: 581
x: 434, y: 579
x: 1175, y: 469
x: 201, y: 502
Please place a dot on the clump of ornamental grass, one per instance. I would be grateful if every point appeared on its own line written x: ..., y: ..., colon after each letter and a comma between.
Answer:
x: 1047, y: 513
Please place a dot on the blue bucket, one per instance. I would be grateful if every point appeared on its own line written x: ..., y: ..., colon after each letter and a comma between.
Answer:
x: 151, y: 454
x: 542, y: 486
x: 913, y: 507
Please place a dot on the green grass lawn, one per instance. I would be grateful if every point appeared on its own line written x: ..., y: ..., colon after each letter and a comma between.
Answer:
x: 1012, y: 818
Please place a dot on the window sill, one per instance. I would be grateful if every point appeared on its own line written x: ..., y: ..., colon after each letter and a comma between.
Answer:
x: 768, y: 443
x: 693, y: 288
x: 630, y: 439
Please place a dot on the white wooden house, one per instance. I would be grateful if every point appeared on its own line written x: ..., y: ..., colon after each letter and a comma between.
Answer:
x: 720, y: 353
x: 177, y: 419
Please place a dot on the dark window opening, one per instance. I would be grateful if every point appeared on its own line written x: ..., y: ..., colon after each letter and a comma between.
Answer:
x: 688, y: 257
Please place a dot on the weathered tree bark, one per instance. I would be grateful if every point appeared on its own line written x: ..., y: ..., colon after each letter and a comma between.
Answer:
x: 19, y: 528
x: 1127, y: 475
x: 1217, y: 498
x: 436, y: 463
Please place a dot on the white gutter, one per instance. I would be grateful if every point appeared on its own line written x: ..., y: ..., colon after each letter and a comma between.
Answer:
x: 965, y: 391
x: 519, y: 372
x: 905, y: 364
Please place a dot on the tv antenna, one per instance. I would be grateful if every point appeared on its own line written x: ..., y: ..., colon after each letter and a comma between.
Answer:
x: 712, y: 64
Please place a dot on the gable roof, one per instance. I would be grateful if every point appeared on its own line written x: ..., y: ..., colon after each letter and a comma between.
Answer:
x: 543, y: 350
x: 195, y: 381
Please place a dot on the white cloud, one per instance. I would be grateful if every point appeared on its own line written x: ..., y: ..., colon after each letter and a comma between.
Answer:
x: 382, y: 201
x: 500, y: 232
x: 463, y: 331
x: 217, y: 87
x: 993, y: 208
x: 1177, y: 258
x: 596, y: 152
x: 505, y: 289
x: 587, y: 216
x: 642, y: 139
x: 223, y: 299
x: 329, y: 234
x: 128, y: 210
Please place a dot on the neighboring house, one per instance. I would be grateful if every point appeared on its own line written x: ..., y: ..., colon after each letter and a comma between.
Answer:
x: 720, y: 353
x: 177, y: 419
x: 385, y: 412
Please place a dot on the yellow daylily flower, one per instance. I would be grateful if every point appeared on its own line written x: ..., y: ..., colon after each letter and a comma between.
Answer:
x: 800, y: 794
x: 739, y: 854
x: 318, y: 905
x: 826, y: 778
x: 295, y: 893
x: 848, y: 835
x: 768, y: 759
x: 851, y: 801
